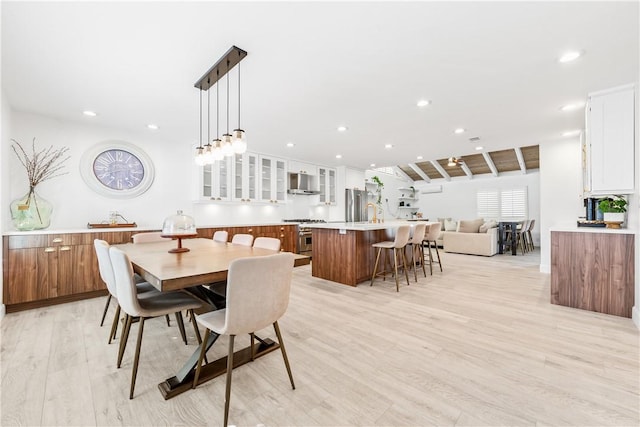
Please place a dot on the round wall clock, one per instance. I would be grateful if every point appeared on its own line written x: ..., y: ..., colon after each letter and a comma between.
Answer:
x: 117, y: 169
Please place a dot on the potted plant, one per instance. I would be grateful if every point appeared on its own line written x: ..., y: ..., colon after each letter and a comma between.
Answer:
x: 613, y: 210
x: 380, y: 185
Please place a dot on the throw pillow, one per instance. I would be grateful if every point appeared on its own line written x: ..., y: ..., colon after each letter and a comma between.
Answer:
x: 441, y: 221
x: 487, y: 225
x: 470, y: 226
x: 450, y: 225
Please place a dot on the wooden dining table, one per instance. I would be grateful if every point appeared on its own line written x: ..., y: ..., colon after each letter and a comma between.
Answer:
x: 206, y: 262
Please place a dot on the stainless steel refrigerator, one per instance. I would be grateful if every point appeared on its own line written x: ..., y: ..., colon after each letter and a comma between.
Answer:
x: 355, y: 205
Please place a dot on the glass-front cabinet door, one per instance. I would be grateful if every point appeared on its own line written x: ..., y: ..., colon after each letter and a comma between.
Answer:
x: 327, y: 185
x: 216, y: 180
x: 245, y: 173
x: 273, y: 186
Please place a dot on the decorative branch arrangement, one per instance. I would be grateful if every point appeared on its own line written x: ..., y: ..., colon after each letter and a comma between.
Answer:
x: 41, y: 165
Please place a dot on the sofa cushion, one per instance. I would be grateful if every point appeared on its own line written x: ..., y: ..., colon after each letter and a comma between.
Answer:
x: 441, y: 221
x: 487, y: 225
x: 450, y: 225
x: 470, y: 226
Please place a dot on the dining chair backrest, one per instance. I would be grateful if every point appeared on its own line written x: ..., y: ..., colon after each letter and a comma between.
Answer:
x: 418, y: 233
x: 242, y: 239
x: 104, y: 265
x: 433, y: 232
x: 531, y: 224
x: 125, y: 283
x: 221, y: 236
x: 257, y: 292
x: 151, y: 237
x: 267, y: 243
x: 402, y: 236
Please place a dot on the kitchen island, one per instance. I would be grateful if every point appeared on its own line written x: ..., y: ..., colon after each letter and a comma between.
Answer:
x: 342, y: 252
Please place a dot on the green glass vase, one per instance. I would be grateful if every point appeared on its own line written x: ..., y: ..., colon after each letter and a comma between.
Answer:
x: 31, y: 212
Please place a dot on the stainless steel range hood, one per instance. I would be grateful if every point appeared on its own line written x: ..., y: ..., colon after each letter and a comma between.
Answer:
x: 301, y: 183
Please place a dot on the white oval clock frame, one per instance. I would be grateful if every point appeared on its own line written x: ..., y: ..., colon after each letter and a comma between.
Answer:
x: 86, y: 169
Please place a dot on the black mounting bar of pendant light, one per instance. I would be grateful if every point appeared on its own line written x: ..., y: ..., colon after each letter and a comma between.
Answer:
x: 220, y: 68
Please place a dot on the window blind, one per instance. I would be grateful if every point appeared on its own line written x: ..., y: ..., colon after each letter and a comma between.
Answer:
x: 488, y: 204
x: 514, y: 203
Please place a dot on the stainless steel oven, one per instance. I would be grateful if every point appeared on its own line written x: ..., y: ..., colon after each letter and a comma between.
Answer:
x: 304, y: 241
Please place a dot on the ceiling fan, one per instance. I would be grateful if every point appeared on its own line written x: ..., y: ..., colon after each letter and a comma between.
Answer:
x: 454, y: 161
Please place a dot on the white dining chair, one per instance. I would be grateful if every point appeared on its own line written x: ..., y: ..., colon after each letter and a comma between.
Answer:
x: 156, y: 305
x: 151, y: 237
x: 242, y: 239
x: 221, y: 236
x: 267, y: 243
x: 257, y: 296
x: 415, y: 245
x: 397, y: 246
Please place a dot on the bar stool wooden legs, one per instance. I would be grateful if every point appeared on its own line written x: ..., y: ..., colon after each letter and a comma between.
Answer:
x: 398, y: 246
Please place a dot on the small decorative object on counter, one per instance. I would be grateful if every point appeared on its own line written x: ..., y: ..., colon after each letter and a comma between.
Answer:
x: 613, y: 210
x: 179, y: 226
x: 32, y: 212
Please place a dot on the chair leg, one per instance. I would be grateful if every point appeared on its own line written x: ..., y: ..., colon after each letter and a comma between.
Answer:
x: 195, y: 326
x: 124, y: 337
x: 253, y: 351
x: 166, y: 316
x: 106, y: 307
x: 438, y: 254
x: 404, y: 264
x: 203, y: 350
x: 136, y: 358
x: 413, y: 262
x: 114, y: 324
x: 284, y: 353
x: 181, y: 326
x: 421, y: 255
x: 375, y: 266
x: 430, y: 258
x: 395, y: 268
x: 227, y: 393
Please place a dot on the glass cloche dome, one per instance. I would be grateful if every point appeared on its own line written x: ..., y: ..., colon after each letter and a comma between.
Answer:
x: 179, y: 224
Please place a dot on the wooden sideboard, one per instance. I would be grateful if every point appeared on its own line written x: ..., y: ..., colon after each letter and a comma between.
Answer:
x: 593, y: 271
x: 46, y: 269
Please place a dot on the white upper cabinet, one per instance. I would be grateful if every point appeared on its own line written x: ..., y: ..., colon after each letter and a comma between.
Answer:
x: 245, y: 177
x: 216, y: 180
x: 301, y: 167
x: 273, y: 182
x: 608, y: 153
x: 327, y: 185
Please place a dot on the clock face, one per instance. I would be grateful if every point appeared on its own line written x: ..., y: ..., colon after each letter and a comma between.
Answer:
x: 118, y: 169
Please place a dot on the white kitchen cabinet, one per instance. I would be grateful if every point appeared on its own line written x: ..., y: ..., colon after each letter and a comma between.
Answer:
x: 216, y: 180
x: 301, y: 167
x: 608, y: 153
x: 327, y: 185
x: 245, y: 177
x: 273, y: 179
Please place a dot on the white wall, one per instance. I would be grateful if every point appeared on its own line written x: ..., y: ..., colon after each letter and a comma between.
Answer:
x: 560, y: 191
x: 458, y: 197
x: 5, y: 132
x: 390, y: 194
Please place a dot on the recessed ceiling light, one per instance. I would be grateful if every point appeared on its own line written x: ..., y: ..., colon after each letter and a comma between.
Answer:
x: 290, y: 144
x: 373, y: 165
x: 423, y: 103
x: 338, y: 156
x: 90, y: 113
x: 571, y: 133
x: 419, y: 157
x: 388, y: 146
x: 152, y: 127
x: 571, y: 107
x: 479, y: 147
x: 570, y: 56
x: 459, y: 130
x: 342, y: 128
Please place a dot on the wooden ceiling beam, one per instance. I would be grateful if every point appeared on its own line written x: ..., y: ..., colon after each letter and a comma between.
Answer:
x: 441, y: 170
x: 403, y: 174
x: 521, y: 162
x: 465, y: 168
x: 419, y: 171
x: 492, y: 166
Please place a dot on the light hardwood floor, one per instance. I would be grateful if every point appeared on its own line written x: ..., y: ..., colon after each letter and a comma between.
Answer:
x: 479, y: 344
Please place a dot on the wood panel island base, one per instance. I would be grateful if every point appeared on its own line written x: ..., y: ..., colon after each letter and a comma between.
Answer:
x: 345, y: 255
x: 593, y: 270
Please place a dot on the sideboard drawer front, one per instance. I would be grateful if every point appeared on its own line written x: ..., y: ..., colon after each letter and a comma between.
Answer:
x: 24, y: 242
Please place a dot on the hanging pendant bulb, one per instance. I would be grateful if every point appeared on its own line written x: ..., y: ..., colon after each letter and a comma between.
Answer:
x: 239, y: 140
x: 227, y: 147
x: 217, y: 150
x: 199, y: 157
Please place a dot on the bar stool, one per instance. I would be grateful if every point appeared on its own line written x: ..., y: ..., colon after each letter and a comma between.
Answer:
x: 431, y: 237
x: 415, y: 242
x: 398, y: 245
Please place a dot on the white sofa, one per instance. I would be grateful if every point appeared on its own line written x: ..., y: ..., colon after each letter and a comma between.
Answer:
x: 485, y: 244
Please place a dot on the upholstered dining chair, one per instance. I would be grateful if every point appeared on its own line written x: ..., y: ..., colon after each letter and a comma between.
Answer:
x: 107, y: 276
x: 160, y: 304
x: 430, y: 239
x: 257, y: 296
x: 415, y: 245
x: 151, y: 237
x: 242, y: 239
x: 221, y: 236
x: 398, y: 247
x: 267, y: 243
x: 529, y: 236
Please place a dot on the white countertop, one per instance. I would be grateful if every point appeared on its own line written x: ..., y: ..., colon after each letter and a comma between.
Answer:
x: 363, y: 226
x: 573, y: 228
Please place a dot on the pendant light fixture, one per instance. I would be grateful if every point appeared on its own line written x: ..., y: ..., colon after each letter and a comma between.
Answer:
x: 228, y: 145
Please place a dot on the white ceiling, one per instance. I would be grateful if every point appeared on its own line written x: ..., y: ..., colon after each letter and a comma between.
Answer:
x: 488, y: 67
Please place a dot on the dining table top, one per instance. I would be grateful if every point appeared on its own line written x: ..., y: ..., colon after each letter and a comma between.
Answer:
x: 207, y: 261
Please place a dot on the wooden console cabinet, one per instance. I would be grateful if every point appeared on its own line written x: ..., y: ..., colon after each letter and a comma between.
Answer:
x: 593, y: 271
